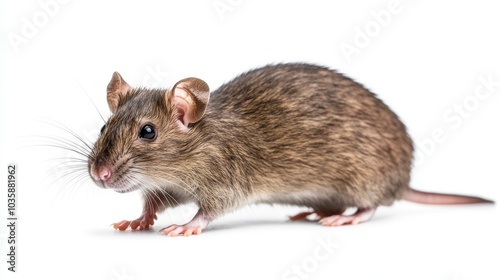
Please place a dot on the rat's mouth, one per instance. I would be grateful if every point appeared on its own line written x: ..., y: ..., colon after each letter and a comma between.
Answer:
x: 127, y: 189
x: 119, y: 188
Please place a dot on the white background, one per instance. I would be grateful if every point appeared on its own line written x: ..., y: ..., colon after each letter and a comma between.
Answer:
x: 423, y: 61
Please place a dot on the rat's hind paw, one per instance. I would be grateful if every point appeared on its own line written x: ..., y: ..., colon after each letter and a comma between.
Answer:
x: 361, y: 215
x: 142, y: 223
x: 195, y: 226
x: 186, y: 230
x: 301, y: 216
x: 313, y: 215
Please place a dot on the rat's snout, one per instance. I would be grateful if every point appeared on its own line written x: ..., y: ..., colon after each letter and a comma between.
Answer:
x: 100, y: 174
x: 103, y: 174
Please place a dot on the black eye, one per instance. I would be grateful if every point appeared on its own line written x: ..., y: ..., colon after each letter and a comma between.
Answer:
x: 102, y: 129
x: 147, y: 132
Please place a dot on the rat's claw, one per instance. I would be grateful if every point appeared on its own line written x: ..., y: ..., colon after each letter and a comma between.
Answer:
x: 336, y: 220
x: 123, y: 225
x: 306, y: 216
x: 176, y: 230
x: 300, y: 216
x: 142, y: 223
x: 134, y: 224
x: 195, y: 226
x: 362, y: 215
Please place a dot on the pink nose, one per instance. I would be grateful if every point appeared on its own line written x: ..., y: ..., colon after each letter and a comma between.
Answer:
x: 101, y: 175
x: 104, y: 174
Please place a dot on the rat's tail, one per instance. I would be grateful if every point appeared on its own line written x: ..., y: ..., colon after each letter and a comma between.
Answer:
x: 443, y: 199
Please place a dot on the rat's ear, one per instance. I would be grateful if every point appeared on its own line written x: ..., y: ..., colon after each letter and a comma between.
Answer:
x: 190, y: 97
x: 117, y: 88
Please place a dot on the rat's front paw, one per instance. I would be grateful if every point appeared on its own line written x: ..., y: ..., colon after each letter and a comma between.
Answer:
x: 186, y: 230
x: 142, y: 223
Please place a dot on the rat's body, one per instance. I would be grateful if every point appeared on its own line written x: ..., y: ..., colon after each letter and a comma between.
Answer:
x: 292, y: 134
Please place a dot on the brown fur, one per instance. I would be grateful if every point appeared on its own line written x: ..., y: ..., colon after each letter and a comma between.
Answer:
x: 291, y: 134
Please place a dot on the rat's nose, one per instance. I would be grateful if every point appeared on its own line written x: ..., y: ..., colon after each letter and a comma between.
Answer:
x: 103, y: 174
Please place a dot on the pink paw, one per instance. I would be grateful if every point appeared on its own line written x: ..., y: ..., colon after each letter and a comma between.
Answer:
x: 186, y: 230
x: 338, y: 220
x: 142, y: 223
x: 362, y: 215
x: 301, y: 216
x: 306, y: 216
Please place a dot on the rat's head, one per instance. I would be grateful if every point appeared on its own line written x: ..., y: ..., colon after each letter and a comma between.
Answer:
x: 148, y: 135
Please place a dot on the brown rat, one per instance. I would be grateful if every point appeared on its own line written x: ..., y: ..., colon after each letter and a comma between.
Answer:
x: 294, y: 134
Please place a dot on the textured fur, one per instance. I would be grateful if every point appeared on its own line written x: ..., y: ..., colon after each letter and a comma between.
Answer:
x: 294, y: 134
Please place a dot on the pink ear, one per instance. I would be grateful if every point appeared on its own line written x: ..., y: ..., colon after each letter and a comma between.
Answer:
x: 184, y: 104
x: 190, y: 97
x: 117, y: 88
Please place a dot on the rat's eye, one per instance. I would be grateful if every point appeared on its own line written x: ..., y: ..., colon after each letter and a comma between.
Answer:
x: 147, y: 132
x: 103, y: 128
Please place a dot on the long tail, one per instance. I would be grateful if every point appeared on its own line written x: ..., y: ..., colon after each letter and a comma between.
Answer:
x: 443, y: 199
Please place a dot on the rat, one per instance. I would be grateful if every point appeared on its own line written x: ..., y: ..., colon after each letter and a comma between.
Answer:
x: 293, y: 134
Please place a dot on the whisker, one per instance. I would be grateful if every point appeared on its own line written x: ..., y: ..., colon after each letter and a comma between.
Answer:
x: 186, y: 187
x: 72, y: 177
x: 66, y: 173
x: 151, y: 186
x: 91, y: 101
x: 63, y: 147
x: 149, y: 193
x: 62, y: 141
x: 69, y: 131
x: 153, y: 191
